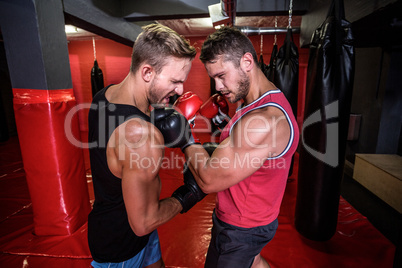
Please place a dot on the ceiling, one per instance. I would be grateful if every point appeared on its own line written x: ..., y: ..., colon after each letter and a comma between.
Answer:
x: 374, y: 22
x: 203, y: 26
x: 122, y: 20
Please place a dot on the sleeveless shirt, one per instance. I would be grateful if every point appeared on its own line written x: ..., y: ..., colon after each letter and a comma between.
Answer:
x: 256, y: 200
x: 110, y: 236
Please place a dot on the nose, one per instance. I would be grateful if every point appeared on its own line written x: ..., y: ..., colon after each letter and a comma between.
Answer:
x: 179, y: 90
x: 218, y: 85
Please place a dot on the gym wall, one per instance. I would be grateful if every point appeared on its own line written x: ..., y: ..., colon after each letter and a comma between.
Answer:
x: 114, y: 59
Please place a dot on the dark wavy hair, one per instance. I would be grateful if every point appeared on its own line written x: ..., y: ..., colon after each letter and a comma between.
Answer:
x: 229, y: 42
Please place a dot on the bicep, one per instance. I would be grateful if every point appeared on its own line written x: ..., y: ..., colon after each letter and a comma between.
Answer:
x: 140, y: 164
x: 252, y: 141
x: 230, y: 164
x: 141, y: 188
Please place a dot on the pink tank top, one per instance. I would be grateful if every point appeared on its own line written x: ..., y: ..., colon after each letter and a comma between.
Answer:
x: 256, y: 200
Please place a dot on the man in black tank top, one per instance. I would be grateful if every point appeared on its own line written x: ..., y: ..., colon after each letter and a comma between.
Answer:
x: 127, y: 210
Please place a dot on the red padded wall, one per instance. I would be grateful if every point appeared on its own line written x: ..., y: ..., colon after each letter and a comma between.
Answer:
x: 114, y: 59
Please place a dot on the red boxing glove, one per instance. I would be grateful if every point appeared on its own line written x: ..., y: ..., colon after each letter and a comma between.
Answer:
x: 216, y: 108
x: 211, y: 107
x: 188, y: 105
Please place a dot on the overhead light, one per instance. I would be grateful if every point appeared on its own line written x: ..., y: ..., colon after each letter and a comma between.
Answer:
x: 217, y: 16
x: 70, y: 29
x: 217, y: 27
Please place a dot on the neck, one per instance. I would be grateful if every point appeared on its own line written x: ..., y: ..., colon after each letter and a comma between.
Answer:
x: 259, y: 85
x: 129, y: 92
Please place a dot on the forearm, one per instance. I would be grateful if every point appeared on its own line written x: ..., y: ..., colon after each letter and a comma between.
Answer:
x: 168, y: 209
x: 165, y: 210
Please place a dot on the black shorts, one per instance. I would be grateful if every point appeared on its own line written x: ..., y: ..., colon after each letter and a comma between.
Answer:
x: 233, y: 246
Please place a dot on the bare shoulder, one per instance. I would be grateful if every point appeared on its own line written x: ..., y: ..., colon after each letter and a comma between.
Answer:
x: 266, y: 117
x: 262, y: 128
x: 134, y: 139
x: 137, y: 132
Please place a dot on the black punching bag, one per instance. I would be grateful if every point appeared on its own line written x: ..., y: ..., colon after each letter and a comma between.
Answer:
x: 270, y: 69
x: 330, y: 74
x: 5, y: 85
x: 262, y: 65
x: 96, y: 78
x: 286, y: 76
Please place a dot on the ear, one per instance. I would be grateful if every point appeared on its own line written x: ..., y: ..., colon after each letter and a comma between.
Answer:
x: 247, y: 62
x: 147, y: 72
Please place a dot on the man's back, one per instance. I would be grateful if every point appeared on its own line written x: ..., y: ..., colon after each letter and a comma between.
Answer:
x: 110, y: 236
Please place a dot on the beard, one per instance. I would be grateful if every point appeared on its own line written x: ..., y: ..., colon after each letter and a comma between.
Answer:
x: 153, y: 96
x: 243, y: 86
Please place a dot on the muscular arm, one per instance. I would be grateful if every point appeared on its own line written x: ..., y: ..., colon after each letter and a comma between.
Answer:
x: 258, y: 135
x: 134, y: 153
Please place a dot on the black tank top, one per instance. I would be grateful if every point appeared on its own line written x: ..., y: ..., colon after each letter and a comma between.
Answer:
x: 110, y: 236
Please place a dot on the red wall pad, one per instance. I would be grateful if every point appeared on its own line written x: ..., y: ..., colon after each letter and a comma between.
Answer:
x: 54, y: 167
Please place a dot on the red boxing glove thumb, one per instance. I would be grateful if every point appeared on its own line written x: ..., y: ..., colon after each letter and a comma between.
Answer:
x: 222, y: 104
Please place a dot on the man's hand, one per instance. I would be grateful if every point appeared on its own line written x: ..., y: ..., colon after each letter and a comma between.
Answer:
x: 174, y: 127
x: 188, y: 105
x: 190, y: 193
x: 216, y: 108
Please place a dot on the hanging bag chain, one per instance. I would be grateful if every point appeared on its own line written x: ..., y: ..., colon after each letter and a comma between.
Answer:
x: 290, y: 13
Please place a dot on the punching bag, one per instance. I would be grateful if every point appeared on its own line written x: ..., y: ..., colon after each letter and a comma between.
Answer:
x: 286, y: 74
x: 262, y: 65
x: 286, y: 71
x: 5, y: 85
x: 96, y: 78
x: 330, y: 75
x: 270, y: 69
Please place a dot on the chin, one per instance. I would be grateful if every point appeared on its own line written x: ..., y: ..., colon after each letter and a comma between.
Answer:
x: 232, y: 99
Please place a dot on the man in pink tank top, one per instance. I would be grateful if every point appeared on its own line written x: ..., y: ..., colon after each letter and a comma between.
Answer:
x: 249, y: 168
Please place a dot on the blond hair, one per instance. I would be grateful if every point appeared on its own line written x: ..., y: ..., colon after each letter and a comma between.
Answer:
x: 155, y: 44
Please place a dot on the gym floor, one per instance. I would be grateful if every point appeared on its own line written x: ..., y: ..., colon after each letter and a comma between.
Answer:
x: 383, y: 217
x: 366, y: 236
